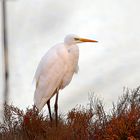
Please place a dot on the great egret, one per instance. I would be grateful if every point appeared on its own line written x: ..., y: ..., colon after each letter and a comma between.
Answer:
x: 56, y: 70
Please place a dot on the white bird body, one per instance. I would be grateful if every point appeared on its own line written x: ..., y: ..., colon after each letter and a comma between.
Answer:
x: 55, y: 72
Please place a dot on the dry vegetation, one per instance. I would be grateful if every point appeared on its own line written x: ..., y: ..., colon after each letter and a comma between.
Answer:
x: 81, y: 123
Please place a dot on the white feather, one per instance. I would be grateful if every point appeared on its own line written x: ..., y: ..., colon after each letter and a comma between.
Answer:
x: 55, y: 71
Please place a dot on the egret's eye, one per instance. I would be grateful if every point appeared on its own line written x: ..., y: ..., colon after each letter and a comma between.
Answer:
x: 76, y: 39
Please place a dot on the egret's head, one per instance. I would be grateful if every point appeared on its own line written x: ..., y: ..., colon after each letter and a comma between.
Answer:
x: 73, y: 39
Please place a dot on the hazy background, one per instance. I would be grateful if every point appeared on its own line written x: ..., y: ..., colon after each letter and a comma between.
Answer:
x: 105, y: 68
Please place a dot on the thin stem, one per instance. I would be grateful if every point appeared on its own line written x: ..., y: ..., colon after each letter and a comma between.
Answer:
x: 5, y: 49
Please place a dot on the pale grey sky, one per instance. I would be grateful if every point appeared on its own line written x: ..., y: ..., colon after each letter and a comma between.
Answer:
x: 105, y: 68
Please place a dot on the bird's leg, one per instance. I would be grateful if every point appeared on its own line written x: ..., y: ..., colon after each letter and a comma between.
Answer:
x: 49, y: 108
x: 56, y: 108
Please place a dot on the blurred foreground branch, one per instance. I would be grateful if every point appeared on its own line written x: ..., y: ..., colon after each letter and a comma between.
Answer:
x: 5, y: 49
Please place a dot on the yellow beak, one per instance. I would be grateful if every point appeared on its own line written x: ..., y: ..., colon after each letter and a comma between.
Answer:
x: 87, y: 40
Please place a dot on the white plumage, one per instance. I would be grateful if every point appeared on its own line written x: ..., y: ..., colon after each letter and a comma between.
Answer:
x: 56, y: 69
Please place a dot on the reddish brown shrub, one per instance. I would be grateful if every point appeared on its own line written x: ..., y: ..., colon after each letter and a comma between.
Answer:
x: 81, y: 123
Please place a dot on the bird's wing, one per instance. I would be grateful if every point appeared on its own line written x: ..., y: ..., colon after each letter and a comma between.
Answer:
x: 48, y: 78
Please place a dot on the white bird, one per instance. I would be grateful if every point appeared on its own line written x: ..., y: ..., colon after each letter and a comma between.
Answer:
x: 55, y: 71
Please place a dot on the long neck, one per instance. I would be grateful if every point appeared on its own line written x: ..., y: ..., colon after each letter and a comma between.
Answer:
x: 70, y: 46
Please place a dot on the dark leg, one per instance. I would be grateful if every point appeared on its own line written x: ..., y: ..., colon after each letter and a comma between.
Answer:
x: 56, y: 108
x: 49, y: 108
